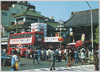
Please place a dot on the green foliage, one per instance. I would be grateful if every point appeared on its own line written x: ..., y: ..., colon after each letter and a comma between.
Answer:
x: 95, y: 59
x: 97, y: 35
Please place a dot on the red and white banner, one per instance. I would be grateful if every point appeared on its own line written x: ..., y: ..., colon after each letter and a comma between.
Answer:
x: 21, y: 41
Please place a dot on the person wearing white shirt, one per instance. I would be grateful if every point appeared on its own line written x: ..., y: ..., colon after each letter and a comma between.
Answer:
x: 83, y: 57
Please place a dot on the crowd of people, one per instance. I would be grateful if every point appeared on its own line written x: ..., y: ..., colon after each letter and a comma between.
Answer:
x: 55, y: 54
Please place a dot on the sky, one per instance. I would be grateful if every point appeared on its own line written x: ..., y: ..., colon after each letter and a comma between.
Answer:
x: 62, y: 9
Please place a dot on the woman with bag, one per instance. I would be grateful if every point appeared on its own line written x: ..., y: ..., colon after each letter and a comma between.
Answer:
x: 14, y: 63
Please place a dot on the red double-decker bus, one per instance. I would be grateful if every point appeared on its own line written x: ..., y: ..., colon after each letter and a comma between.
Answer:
x: 24, y: 40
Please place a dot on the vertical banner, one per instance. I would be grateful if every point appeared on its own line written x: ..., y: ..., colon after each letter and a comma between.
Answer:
x: 82, y: 37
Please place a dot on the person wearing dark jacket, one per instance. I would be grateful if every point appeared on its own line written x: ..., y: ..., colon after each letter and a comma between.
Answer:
x: 35, y: 56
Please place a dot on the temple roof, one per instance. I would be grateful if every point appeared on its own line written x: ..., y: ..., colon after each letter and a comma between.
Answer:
x: 52, y: 25
x: 28, y: 12
x: 83, y: 18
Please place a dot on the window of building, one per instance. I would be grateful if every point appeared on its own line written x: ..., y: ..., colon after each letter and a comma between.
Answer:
x: 4, y: 13
x: 13, y: 13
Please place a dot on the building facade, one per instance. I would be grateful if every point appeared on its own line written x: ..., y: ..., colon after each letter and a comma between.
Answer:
x: 80, y: 22
x: 8, y: 9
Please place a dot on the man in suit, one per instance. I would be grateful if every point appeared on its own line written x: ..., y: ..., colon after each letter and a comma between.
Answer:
x: 52, y: 55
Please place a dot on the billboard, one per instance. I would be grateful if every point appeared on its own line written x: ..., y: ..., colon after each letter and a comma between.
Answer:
x: 51, y: 39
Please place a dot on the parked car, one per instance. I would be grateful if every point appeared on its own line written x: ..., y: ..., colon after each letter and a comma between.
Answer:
x: 5, y: 59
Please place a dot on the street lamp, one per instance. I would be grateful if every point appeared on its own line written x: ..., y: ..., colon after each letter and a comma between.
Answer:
x: 91, y: 26
x: 60, y: 27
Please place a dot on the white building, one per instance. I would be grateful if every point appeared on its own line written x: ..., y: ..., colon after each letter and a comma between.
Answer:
x: 42, y: 27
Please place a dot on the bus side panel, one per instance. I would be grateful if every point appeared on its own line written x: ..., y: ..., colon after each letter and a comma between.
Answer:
x: 9, y: 49
x: 33, y: 38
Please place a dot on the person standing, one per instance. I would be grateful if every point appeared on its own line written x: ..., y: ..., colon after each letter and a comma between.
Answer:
x: 18, y: 57
x: 72, y: 56
x: 83, y: 57
x: 13, y: 51
x: 18, y: 51
x: 4, y: 50
x: 14, y: 60
x: 89, y: 55
x: 76, y: 56
x: 44, y: 54
x: 59, y: 55
x: 66, y: 56
x: 86, y: 54
x: 47, y: 55
x: 56, y: 52
x: 27, y: 53
x: 39, y: 55
x: 52, y: 57
x: 35, y: 56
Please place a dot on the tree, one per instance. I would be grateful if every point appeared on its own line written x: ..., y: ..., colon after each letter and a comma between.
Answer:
x: 97, y: 35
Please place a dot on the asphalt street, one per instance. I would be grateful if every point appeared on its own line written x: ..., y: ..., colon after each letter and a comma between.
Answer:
x: 27, y: 65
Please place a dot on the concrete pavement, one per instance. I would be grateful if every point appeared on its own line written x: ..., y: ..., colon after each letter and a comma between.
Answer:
x: 27, y: 65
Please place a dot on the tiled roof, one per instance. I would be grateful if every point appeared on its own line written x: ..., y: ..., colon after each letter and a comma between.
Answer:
x: 83, y: 18
x: 13, y: 27
x: 52, y: 25
x: 29, y: 13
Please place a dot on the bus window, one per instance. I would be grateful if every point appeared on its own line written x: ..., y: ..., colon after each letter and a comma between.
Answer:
x: 21, y: 36
x: 12, y: 37
x: 24, y: 45
x: 31, y: 34
x: 41, y: 35
x: 17, y: 36
x: 24, y: 35
x: 36, y: 35
x: 27, y: 35
x: 14, y: 46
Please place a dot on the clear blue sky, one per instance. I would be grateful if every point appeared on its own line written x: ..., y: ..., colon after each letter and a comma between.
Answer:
x: 62, y: 9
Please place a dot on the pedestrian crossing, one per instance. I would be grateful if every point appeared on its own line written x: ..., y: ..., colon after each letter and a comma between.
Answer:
x: 65, y: 68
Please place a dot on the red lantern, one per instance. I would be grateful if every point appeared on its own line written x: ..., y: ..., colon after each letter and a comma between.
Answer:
x: 60, y: 39
x: 78, y: 43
